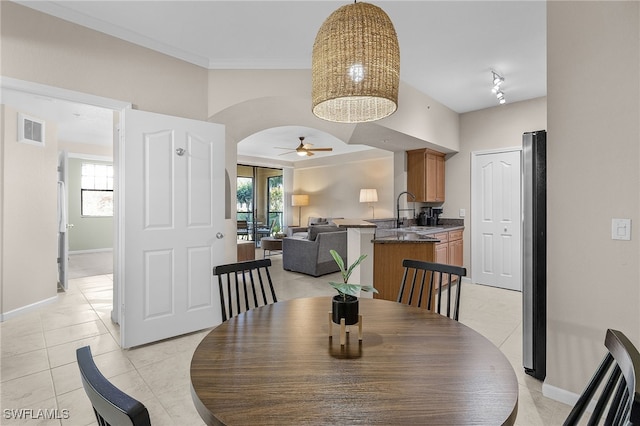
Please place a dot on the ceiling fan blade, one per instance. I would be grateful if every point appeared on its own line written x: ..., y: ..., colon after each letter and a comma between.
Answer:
x: 320, y: 149
x: 285, y: 153
x: 280, y: 147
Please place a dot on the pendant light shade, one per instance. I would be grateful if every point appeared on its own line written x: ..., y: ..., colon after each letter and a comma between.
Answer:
x: 355, y: 66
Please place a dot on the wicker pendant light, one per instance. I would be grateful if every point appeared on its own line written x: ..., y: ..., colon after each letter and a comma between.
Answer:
x: 355, y: 66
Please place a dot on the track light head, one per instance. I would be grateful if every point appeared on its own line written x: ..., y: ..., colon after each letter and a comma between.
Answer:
x: 497, y: 80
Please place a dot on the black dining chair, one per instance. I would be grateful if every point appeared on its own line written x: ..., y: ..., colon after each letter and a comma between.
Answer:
x: 620, y: 370
x: 243, y: 229
x: 248, y: 282
x: 422, y: 282
x: 111, y: 406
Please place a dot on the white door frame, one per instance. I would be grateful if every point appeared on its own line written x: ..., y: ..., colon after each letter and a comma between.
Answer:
x: 98, y: 101
x: 475, y: 217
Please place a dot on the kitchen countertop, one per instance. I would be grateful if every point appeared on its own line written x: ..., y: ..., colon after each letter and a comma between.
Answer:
x: 353, y: 223
x: 413, y: 234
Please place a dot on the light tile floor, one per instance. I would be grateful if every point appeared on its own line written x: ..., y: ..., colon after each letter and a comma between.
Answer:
x: 39, y: 371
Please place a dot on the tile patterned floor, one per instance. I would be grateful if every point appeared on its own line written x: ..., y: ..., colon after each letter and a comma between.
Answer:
x: 38, y: 369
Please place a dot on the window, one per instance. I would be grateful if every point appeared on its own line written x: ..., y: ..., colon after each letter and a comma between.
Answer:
x: 244, y: 197
x: 276, y: 200
x: 96, y: 189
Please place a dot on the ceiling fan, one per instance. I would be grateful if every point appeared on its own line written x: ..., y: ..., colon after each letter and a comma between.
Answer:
x: 304, y: 149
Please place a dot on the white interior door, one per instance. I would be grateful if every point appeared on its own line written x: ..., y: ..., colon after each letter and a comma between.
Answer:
x: 496, y: 219
x: 63, y: 220
x: 173, y: 213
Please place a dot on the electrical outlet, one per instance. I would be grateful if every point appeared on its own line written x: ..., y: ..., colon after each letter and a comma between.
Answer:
x: 462, y: 213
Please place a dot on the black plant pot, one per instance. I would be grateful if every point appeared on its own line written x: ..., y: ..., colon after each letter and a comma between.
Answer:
x: 347, y: 309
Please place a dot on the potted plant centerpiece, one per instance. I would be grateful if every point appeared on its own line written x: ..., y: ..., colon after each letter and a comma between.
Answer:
x: 345, y: 303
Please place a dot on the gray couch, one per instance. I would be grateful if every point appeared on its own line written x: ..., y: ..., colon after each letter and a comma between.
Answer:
x: 311, y: 256
x: 302, y: 231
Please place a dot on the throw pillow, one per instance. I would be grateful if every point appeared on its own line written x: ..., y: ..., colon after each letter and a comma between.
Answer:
x: 318, y: 229
x: 318, y: 221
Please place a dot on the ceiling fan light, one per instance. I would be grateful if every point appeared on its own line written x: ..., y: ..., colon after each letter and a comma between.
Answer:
x: 301, y: 153
x: 355, y: 66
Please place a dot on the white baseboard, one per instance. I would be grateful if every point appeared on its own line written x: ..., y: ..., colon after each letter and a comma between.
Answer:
x: 23, y: 310
x: 564, y: 396
x: 102, y: 250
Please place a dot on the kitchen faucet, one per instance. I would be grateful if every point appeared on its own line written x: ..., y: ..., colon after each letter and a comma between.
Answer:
x: 398, y: 222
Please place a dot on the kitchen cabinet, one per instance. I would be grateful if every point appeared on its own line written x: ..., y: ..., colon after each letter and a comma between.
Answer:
x: 455, y: 248
x: 388, y: 255
x: 425, y: 175
x: 441, y: 249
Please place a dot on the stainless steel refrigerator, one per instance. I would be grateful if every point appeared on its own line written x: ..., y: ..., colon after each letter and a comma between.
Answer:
x: 534, y: 283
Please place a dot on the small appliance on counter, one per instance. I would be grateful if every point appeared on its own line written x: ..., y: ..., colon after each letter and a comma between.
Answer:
x: 435, y: 214
x: 424, y: 218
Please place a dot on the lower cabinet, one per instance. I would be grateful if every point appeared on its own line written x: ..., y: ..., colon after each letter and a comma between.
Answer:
x: 456, y: 248
x: 388, y: 257
x: 246, y: 250
x: 442, y: 248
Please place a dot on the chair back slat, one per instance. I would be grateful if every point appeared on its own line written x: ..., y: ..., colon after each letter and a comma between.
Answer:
x: 427, y: 278
x: 244, y: 285
x: 618, y: 376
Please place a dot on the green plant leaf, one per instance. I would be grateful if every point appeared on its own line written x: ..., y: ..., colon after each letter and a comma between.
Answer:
x: 345, y: 288
x: 338, y: 259
x: 353, y: 266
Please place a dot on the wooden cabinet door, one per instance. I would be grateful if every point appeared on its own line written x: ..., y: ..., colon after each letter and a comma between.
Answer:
x: 431, y: 174
x: 416, y: 180
x: 439, y: 191
x: 455, y: 253
x: 442, y: 253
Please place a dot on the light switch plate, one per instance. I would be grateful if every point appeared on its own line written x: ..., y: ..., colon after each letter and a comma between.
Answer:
x: 620, y: 229
x: 462, y: 213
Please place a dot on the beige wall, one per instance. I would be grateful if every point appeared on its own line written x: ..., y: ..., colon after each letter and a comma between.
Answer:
x: 593, y: 176
x: 334, y: 191
x: 488, y: 129
x: 40, y: 48
x: 28, y: 267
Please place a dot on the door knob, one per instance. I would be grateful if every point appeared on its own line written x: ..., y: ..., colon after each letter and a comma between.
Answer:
x: 219, y: 235
x: 180, y: 151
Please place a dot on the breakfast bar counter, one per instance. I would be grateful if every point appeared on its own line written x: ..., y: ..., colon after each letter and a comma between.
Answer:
x: 439, y: 244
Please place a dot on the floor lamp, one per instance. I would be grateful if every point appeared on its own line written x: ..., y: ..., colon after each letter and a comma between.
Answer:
x: 299, y: 201
x: 369, y: 196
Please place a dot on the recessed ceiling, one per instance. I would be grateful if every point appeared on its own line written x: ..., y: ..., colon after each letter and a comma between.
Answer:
x: 269, y: 143
x: 447, y: 48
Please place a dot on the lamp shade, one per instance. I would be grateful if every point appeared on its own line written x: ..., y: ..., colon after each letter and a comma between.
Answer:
x: 299, y: 200
x: 368, y: 195
x: 355, y: 66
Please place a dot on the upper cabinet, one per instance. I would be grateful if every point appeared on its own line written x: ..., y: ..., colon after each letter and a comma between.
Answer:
x: 425, y: 175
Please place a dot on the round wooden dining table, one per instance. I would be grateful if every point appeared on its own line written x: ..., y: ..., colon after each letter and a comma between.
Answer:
x: 277, y: 365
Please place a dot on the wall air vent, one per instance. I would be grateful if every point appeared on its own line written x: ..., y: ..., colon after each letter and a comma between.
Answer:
x: 30, y: 130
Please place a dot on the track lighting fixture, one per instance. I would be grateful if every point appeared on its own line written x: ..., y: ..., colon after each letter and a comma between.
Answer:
x: 496, y: 90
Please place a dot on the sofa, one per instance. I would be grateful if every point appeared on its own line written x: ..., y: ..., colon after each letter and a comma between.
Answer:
x: 311, y: 255
x: 303, y: 231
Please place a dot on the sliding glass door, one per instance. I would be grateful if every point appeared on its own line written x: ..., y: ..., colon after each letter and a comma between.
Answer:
x: 260, y: 202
